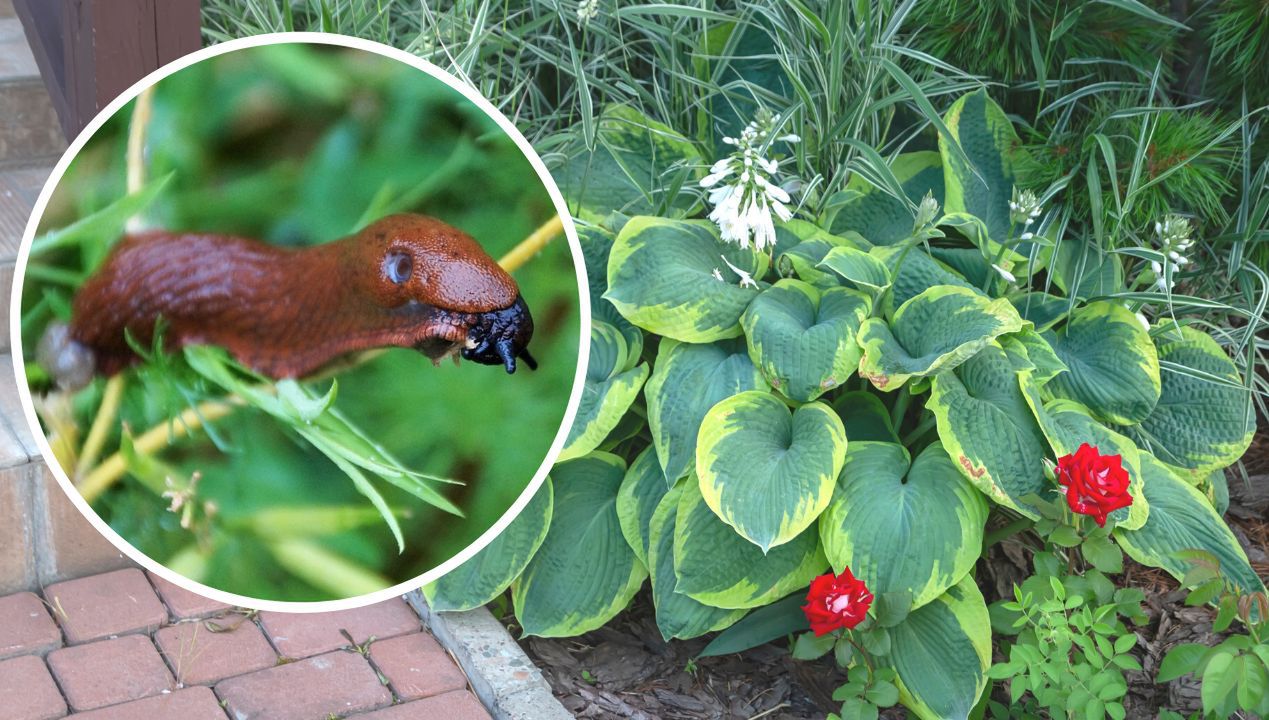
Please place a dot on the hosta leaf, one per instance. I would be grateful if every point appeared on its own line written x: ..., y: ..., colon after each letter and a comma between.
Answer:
x: 638, y: 167
x: 864, y: 417
x: 596, y: 244
x: 881, y: 218
x: 1032, y: 352
x: 488, y: 573
x: 934, y: 331
x: 688, y: 380
x: 991, y: 145
x: 768, y: 471
x: 900, y: 525
x: 661, y: 278
x: 1041, y: 309
x: 866, y: 271
x: 802, y: 246
x: 1182, y: 519
x: 1067, y: 425
x: 1200, y: 423
x: 678, y: 616
x: 1082, y: 271
x: 941, y: 652
x: 1114, y: 369
x: 802, y: 338
x: 988, y: 429
x: 716, y: 566
x: 584, y: 573
x: 641, y: 491
x: 913, y: 272
x: 611, y: 386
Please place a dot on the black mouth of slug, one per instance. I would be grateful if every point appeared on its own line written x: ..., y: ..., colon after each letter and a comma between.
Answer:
x: 499, y: 337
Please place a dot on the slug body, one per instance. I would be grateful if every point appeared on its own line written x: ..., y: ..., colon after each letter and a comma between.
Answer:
x: 404, y: 281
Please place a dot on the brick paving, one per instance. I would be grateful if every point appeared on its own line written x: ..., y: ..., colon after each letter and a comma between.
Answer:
x: 127, y: 645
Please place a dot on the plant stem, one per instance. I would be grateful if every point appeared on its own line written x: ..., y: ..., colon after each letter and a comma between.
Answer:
x: 1004, y: 533
x: 532, y: 245
x: 106, y: 414
x: 920, y: 430
x: 141, y: 112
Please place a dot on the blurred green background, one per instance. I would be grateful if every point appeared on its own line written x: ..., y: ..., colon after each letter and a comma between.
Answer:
x: 299, y: 144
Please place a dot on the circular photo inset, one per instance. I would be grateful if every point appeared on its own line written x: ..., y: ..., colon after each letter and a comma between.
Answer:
x: 300, y: 322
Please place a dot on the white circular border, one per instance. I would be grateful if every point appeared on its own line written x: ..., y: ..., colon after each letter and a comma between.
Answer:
x: 114, y: 107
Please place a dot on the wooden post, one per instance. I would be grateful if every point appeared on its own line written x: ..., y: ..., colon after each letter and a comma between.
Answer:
x: 90, y: 51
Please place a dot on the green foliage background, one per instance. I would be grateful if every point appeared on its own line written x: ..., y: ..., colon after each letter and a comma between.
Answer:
x: 299, y: 145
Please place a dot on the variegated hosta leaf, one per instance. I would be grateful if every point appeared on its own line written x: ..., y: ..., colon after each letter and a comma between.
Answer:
x: 912, y: 272
x: 880, y: 217
x: 611, y: 386
x: 802, y: 338
x: 941, y: 653
x: 638, y: 167
x: 864, y: 417
x: 1067, y: 425
x: 933, y: 332
x: 768, y: 471
x: 717, y: 567
x: 1204, y: 419
x: 488, y: 573
x: 901, y: 525
x: 1030, y: 351
x: 863, y: 269
x: 662, y: 277
x: 801, y: 246
x: 1041, y: 309
x: 641, y: 490
x: 1083, y: 271
x: 1114, y: 369
x: 984, y: 189
x: 988, y: 429
x: 678, y: 616
x: 596, y: 244
x: 1182, y: 519
x: 687, y: 381
x: 584, y: 573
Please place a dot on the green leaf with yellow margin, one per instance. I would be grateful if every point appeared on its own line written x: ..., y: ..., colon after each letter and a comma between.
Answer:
x: 933, y: 332
x: 1114, y: 369
x: 686, y: 382
x: 1204, y: 419
x: 988, y: 429
x: 884, y: 502
x: 881, y: 218
x: 717, y: 567
x: 641, y: 491
x: 611, y: 385
x: 766, y: 470
x: 661, y: 277
x: 584, y: 573
x: 912, y: 272
x: 860, y: 267
x: 488, y: 573
x: 1180, y: 519
x: 941, y: 653
x: 803, y: 339
x: 801, y: 246
x: 678, y: 615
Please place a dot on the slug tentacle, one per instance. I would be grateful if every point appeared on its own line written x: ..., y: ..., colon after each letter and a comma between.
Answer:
x: 404, y: 281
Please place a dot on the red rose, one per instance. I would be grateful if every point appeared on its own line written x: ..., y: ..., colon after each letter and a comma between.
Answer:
x: 1096, y: 484
x: 840, y: 601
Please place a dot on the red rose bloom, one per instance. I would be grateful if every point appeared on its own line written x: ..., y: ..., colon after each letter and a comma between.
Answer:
x: 1096, y: 484
x: 840, y: 601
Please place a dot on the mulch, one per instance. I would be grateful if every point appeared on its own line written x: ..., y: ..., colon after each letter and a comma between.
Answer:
x: 625, y: 669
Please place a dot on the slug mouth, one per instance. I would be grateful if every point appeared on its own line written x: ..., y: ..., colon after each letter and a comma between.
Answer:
x: 499, y: 337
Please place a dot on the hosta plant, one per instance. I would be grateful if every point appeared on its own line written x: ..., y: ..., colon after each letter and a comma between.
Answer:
x: 864, y: 388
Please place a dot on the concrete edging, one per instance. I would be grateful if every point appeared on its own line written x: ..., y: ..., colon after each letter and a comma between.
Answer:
x: 501, y: 675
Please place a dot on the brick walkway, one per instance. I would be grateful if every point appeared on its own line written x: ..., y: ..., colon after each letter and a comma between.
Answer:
x: 129, y: 646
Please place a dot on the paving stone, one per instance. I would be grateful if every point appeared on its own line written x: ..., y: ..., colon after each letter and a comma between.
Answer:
x: 67, y: 545
x: 28, y: 691
x: 298, y: 635
x: 455, y: 705
x: 17, y: 532
x: 25, y: 627
x: 416, y: 666
x: 339, y: 683
x: 204, y: 652
x: 183, y: 604
x: 99, y: 606
x: 196, y: 703
x: 109, y: 672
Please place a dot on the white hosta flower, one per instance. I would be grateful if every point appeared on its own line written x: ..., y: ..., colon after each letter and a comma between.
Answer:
x: 741, y: 189
x: 1008, y: 276
x: 587, y: 10
x: 718, y: 275
x: 746, y: 280
x: 1024, y: 207
x: 1173, y: 235
x: 927, y: 212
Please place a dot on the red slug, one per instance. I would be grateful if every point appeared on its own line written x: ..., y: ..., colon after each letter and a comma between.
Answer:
x: 404, y: 281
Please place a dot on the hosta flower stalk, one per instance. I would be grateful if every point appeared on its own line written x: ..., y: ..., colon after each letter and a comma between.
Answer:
x: 742, y: 188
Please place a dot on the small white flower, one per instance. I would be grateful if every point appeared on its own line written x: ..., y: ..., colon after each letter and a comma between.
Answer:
x: 746, y: 280
x: 1173, y: 235
x: 741, y: 188
x: 587, y: 10
x: 1024, y: 207
x: 1008, y: 276
x: 1026, y: 236
x: 718, y: 275
x: 927, y: 211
